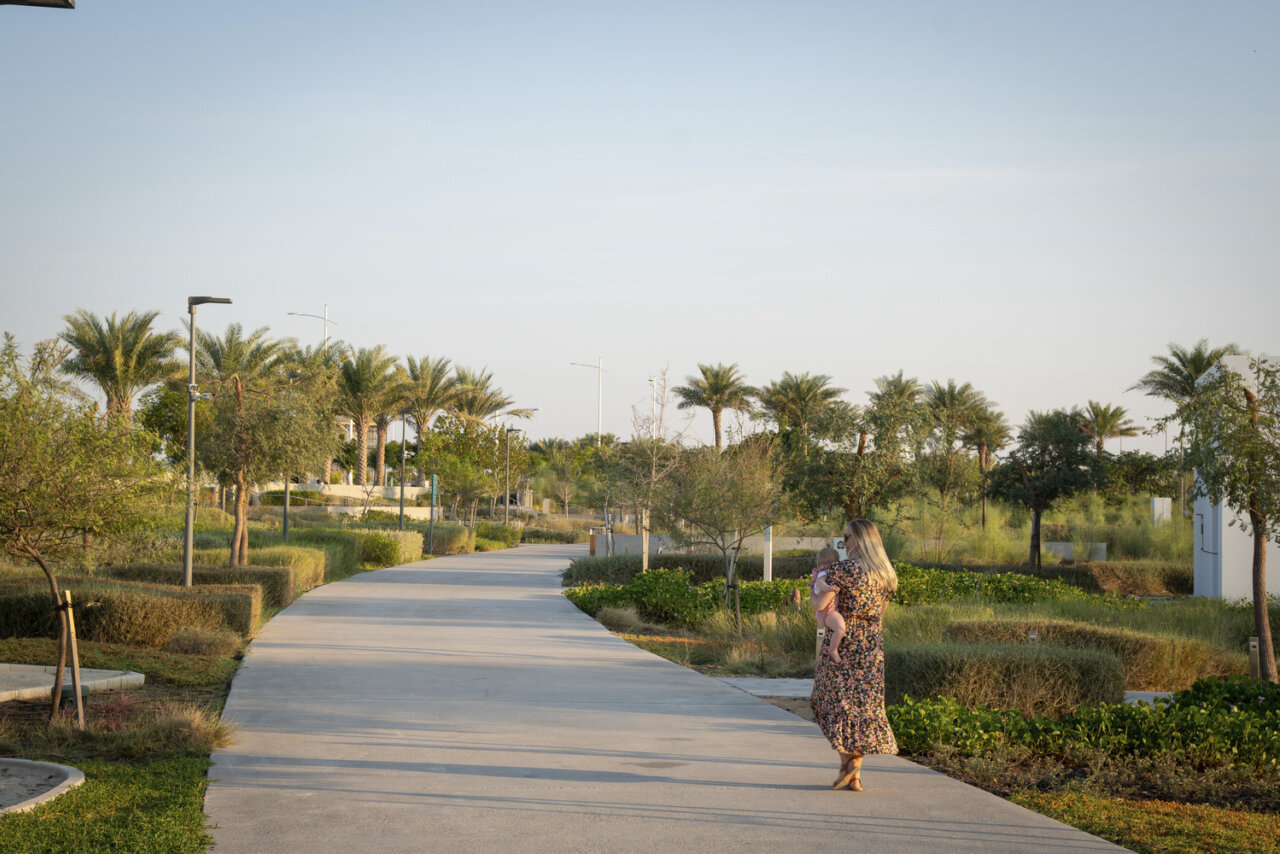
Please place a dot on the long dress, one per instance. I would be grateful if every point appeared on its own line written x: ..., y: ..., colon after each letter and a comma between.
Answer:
x: 848, y: 698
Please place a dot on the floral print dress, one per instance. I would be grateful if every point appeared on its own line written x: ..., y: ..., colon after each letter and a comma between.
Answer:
x: 848, y: 698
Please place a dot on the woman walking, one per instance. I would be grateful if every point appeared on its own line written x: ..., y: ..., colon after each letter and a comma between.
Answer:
x: 848, y: 693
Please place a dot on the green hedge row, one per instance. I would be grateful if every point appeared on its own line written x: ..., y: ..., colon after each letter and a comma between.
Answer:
x: 129, y: 613
x: 1045, y: 680
x: 341, y: 548
x: 672, y: 596
x: 507, y: 535
x: 1185, y: 729
x: 276, y: 582
x: 1151, y: 663
x: 621, y: 569
x: 552, y: 535
x: 381, y: 548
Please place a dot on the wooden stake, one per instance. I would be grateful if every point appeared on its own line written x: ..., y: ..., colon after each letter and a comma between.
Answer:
x: 75, y: 659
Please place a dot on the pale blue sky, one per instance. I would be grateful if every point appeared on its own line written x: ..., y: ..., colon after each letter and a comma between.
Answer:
x: 1033, y: 197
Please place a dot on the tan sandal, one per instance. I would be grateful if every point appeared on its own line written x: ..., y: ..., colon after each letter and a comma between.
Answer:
x: 847, y: 773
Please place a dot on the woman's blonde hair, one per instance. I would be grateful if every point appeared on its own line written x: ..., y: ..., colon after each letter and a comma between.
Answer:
x: 864, y: 545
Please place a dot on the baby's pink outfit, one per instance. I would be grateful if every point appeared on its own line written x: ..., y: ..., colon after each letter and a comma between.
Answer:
x: 821, y: 573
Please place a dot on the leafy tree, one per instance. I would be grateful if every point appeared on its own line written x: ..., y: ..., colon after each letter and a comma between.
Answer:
x: 470, y: 458
x: 866, y: 459
x: 1051, y: 461
x: 265, y: 426
x: 563, y: 464
x: 719, y: 387
x: 1137, y: 472
x: 1101, y: 422
x: 365, y: 381
x: 121, y: 356
x: 65, y: 471
x: 795, y: 401
x: 1232, y: 424
x: 322, y: 359
x: 719, y: 499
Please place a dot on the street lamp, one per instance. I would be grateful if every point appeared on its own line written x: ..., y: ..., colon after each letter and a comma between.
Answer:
x: 600, y: 372
x: 192, y: 396
x: 404, y: 414
x: 325, y: 318
x: 506, y: 496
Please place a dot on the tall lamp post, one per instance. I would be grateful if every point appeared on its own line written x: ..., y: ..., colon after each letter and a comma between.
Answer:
x: 600, y: 372
x: 404, y: 414
x: 324, y: 317
x: 506, y: 496
x: 193, y: 394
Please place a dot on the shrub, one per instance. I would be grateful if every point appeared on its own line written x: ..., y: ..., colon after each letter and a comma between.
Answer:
x: 507, y: 535
x: 128, y: 613
x: 1230, y: 694
x: 483, y: 545
x: 388, y: 548
x: 1152, y: 663
x: 620, y: 569
x: 1035, y: 679
x: 550, y: 535
x: 920, y: 586
x: 1144, y: 578
x: 275, y: 498
x: 195, y: 640
x: 453, y: 540
x: 276, y: 583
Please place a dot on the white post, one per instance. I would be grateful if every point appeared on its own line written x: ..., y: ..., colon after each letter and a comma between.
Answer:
x: 768, y: 553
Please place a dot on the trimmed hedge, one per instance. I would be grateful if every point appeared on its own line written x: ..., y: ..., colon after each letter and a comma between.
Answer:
x: 551, y: 535
x: 508, y: 535
x: 1040, y: 679
x: 671, y: 596
x: 1152, y: 663
x: 341, y: 548
x: 621, y: 569
x: 277, y: 582
x: 451, y: 539
x: 382, y: 548
x: 129, y: 613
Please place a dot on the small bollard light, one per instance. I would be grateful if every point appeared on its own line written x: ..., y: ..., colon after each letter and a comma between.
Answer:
x: 1032, y: 636
x: 1255, y: 666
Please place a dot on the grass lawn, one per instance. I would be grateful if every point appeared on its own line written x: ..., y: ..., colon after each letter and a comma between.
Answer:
x: 145, y: 757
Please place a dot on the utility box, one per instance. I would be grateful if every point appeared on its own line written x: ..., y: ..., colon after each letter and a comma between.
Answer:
x: 1223, y: 552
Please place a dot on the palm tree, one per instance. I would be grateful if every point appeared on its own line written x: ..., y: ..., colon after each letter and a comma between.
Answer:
x: 794, y: 401
x: 1176, y: 377
x: 234, y: 354
x: 896, y: 397
x: 122, y: 357
x: 719, y: 388
x: 364, y: 383
x: 429, y: 390
x: 476, y: 397
x: 952, y: 409
x: 1101, y: 422
x: 986, y: 434
x: 392, y: 405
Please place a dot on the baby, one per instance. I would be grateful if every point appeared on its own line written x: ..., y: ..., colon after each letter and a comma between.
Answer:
x: 824, y: 603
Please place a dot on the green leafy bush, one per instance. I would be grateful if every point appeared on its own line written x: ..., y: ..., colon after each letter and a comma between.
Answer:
x: 1199, y: 737
x: 483, y: 545
x: 1035, y: 679
x: 1152, y: 663
x: 920, y: 586
x: 508, y: 535
x: 670, y: 596
x: 620, y: 569
x: 452, y: 539
x: 1230, y: 694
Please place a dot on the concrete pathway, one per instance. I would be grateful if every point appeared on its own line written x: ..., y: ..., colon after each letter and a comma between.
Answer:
x: 463, y: 705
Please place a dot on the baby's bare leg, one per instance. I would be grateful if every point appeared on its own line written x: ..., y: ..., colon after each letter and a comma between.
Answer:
x: 835, y: 633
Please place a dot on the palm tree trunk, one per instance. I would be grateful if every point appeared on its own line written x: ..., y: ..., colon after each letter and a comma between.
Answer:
x: 715, y: 423
x: 381, y: 460
x: 362, y: 451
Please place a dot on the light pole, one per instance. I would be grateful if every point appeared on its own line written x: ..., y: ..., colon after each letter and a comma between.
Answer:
x: 600, y: 372
x: 192, y: 396
x: 325, y: 318
x: 506, y: 496
x: 404, y: 414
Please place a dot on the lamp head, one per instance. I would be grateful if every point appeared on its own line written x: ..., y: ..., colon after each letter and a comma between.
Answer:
x: 194, y: 301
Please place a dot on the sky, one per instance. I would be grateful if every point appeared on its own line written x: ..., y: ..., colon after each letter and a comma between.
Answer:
x: 1032, y: 197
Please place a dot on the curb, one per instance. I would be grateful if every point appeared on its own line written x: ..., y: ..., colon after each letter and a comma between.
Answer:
x: 72, y: 777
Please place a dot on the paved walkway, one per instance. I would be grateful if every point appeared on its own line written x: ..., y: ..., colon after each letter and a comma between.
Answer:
x: 463, y: 705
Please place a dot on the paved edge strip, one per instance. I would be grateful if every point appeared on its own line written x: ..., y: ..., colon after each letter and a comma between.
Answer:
x: 72, y: 777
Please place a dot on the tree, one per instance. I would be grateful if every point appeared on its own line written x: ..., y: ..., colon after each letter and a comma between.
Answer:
x: 364, y: 381
x: 719, y: 499
x: 470, y: 458
x: 1051, y: 461
x: 325, y: 359
x: 65, y: 470
x: 1176, y: 378
x: 719, y: 387
x: 429, y: 390
x: 1232, y: 424
x: 1101, y: 422
x: 987, y: 434
x: 866, y: 459
x: 391, y: 406
x: 795, y: 401
x: 262, y: 427
x: 122, y: 357
x: 563, y: 464
x: 476, y: 397
x: 952, y: 410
